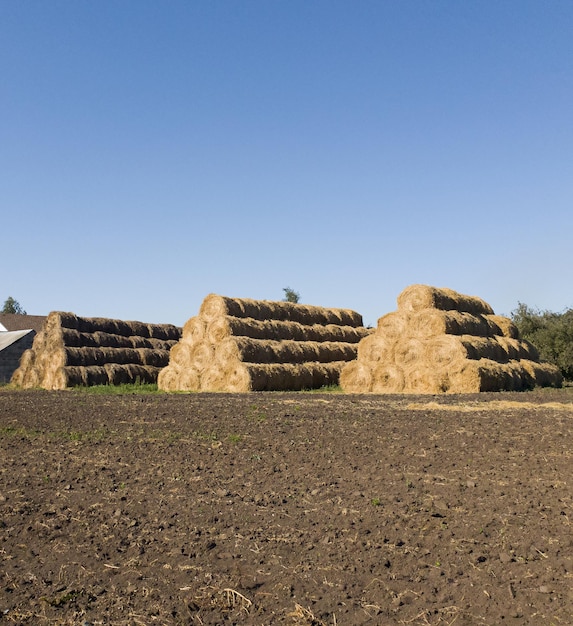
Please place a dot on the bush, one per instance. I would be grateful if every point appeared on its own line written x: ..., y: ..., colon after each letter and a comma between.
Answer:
x: 551, y: 333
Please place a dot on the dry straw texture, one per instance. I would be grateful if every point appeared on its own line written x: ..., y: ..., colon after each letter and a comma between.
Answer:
x: 240, y: 345
x: 72, y: 351
x: 441, y: 341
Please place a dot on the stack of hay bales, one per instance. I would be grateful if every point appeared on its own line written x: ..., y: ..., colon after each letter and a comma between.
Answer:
x: 441, y: 341
x: 240, y: 345
x: 78, y: 351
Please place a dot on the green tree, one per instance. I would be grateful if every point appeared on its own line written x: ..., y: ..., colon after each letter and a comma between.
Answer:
x: 551, y: 333
x: 290, y: 295
x: 13, y: 306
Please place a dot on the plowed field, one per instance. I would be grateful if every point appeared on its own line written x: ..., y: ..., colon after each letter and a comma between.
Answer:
x: 286, y: 508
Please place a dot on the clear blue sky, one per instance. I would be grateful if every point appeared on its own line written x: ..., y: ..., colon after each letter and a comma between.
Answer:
x: 153, y: 152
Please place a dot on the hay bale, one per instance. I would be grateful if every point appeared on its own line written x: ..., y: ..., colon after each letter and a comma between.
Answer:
x: 432, y: 322
x: 194, y: 329
x: 506, y: 326
x: 441, y: 341
x: 214, y: 306
x: 418, y: 297
x: 356, y: 377
x: 72, y: 350
x: 543, y: 374
x: 250, y: 345
x: 387, y: 377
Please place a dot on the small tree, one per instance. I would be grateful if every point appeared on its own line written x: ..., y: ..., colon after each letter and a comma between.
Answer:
x: 290, y: 295
x: 13, y: 306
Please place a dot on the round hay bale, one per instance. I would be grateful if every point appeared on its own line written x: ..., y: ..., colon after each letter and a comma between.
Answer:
x: 194, y: 329
x: 215, y: 306
x: 138, y: 329
x: 155, y: 358
x: 61, y: 319
x: 418, y: 297
x: 410, y: 349
x: 356, y: 377
x: 95, y: 375
x: 387, y: 378
x: 506, y: 326
x: 394, y: 324
x: 164, y: 331
x: 517, y: 349
x: 431, y: 322
x: 181, y: 354
x: 482, y: 375
x: 202, y: 355
x: 543, y: 374
x: 376, y: 347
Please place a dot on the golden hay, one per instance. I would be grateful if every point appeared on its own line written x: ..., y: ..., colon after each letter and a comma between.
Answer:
x: 506, y: 325
x: 194, y: 329
x: 215, y: 306
x: 387, y: 378
x: 393, y: 324
x: 431, y: 322
x: 250, y: 345
x: 227, y: 326
x: 440, y: 341
x: 356, y: 377
x: 72, y: 350
x: 377, y: 347
x: 417, y: 297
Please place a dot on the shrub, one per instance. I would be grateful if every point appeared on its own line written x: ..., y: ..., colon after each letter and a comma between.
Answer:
x: 551, y: 333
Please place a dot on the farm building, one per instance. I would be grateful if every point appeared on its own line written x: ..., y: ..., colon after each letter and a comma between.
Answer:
x: 83, y: 351
x: 241, y: 345
x: 17, y: 333
x: 441, y: 341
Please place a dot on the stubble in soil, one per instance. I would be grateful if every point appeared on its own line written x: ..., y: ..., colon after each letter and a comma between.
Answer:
x: 268, y: 508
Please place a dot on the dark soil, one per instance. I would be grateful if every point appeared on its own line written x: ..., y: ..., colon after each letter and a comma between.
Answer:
x: 272, y: 508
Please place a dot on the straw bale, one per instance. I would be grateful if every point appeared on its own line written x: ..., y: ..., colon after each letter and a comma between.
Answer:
x: 431, y: 322
x: 444, y: 349
x: 167, y: 332
x: 417, y: 297
x: 181, y: 354
x: 73, y: 350
x: 214, y: 306
x: 25, y: 375
x: 95, y: 375
x: 387, y: 377
x: 393, y: 324
x: 269, y: 351
x: 377, y: 347
x: 188, y: 380
x: 156, y: 358
x: 101, y: 339
x: 194, y: 329
x: 410, y: 350
x: 517, y: 349
x: 356, y: 377
x: 203, y: 355
x: 506, y: 326
x: 543, y: 374
x: 129, y: 373
x: 426, y: 378
x: 225, y: 326
x: 483, y: 375
x: 61, y: 319
x: 168, y: 378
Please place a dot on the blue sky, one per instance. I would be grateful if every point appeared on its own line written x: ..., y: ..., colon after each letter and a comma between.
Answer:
x: 153, y: 152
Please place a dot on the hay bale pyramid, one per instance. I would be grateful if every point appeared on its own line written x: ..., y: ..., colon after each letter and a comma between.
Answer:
x: 74, y: 351
x: 440, y: 341
x: 241, y: 345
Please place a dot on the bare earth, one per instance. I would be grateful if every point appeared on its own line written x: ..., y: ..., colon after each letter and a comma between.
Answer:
x: 286, y: 508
